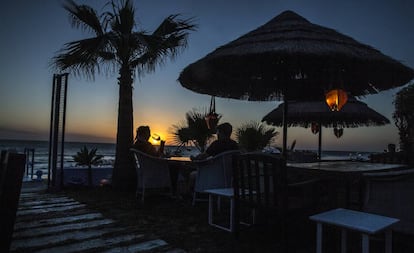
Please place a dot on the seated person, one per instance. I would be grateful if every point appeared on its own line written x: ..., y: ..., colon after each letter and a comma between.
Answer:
x: 222, y: 144
x: 142, y: 144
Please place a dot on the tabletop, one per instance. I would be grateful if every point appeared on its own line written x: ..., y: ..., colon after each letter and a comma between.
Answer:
x: 360, y: 221
x: 179, y: 158
x: 346, y: 166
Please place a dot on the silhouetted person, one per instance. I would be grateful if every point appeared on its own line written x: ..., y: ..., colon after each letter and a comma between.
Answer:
x: 222, y: 144
x: 142, y: 144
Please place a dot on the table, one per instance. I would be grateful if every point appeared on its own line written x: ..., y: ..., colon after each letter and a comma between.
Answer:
x: 366, y: 223
x: 222, y: 192
x: 179, y: 165
x: 226, y: 193
x: 183, y: 159
x: 344, y: 171
x: 351, y: 167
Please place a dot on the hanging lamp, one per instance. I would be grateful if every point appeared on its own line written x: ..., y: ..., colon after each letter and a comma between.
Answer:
x: 336, y: 99
x: 338, y: 131
x: 315, y: 127
x: 212, y: 117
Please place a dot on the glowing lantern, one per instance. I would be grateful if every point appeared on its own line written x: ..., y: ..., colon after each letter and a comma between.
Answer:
x: 338, y: 132
x: 315, y: 128
x: 211, y: 120
x: 336, y: 99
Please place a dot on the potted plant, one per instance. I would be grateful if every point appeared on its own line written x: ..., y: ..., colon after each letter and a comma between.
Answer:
x: 255, y: 136
x: 195, y: 130
x: 88, y: 158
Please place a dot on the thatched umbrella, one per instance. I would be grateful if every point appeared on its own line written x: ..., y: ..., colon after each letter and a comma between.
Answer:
x: 305, y: 114
x: 292, y: 57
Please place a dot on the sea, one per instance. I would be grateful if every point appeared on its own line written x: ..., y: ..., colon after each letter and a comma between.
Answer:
x: 40, y: 151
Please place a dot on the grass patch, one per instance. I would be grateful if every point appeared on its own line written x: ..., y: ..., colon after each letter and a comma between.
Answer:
x: 175, y: 221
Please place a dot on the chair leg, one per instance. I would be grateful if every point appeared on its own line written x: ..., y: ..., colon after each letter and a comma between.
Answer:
x: 194, y: 197
x: 143, y: 195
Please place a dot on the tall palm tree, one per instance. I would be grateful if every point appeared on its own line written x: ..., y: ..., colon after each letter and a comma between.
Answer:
x: 116, y: 45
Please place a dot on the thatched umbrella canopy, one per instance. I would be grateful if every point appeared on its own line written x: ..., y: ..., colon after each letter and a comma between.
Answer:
x: 291, y: 56
x: 354, y: 114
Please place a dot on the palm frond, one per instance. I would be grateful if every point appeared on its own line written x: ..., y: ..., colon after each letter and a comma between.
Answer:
x: 123, y: 21
x: 254, y: 136
x: 166, y: 41
x: 86, y: 157
x: 84, y: 17
x: 84, y: 56
x: 194, y: 130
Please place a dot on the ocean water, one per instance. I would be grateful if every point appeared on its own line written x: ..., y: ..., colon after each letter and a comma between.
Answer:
x: 41, y: 151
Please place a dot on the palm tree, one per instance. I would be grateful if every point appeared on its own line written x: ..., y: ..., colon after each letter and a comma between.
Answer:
x: 88, y: 158
x: 255, y: 136
x: 116, y: 45
x: 195, y: 132
x: 404, y: 120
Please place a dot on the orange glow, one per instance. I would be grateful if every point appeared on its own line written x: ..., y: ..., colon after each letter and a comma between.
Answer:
x: 336, y: 99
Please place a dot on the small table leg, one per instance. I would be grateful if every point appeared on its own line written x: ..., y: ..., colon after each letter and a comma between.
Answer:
x: 388, y: 241
x: 343, y: 240
x: 365, y: 243
x: 231, y: 214
x: 210, y: 209
x: 318, y: 237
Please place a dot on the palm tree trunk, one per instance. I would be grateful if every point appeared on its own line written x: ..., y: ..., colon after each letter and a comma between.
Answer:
x: 124, y: 175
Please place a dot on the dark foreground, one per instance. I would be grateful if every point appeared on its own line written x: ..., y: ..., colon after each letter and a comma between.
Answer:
x: 185, y: 226
x: 181, y: 226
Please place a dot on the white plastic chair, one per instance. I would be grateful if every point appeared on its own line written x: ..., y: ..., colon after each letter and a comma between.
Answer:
x: 152, y: 173
x: 213, y: 172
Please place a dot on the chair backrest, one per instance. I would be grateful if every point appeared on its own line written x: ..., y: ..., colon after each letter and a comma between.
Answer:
x: 152, y: 172
x: 260, y: 180
x: 391, y: 194
x: 215, y: 172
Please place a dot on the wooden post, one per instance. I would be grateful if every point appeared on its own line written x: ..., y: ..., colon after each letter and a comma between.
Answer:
x: 13, y: 168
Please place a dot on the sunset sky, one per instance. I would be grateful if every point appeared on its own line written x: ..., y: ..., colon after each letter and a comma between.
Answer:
x: 34, y: 30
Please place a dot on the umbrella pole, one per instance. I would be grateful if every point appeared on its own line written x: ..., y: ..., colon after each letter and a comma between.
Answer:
x: 320, y: 142
x: 285, y: 113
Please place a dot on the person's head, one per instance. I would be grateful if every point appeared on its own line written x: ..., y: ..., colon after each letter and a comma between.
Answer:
x: 143, y: 132
x: 224, y: 130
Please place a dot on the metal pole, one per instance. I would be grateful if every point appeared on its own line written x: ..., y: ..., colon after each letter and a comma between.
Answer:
x: 51, y: 131
x: 33, y: 151
x: 320, y: 142
x: 63, y: 128
x: 56, y: 129
x: 285, y: 119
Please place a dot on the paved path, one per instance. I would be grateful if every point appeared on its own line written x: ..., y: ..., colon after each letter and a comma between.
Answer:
x: 47, y: 222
